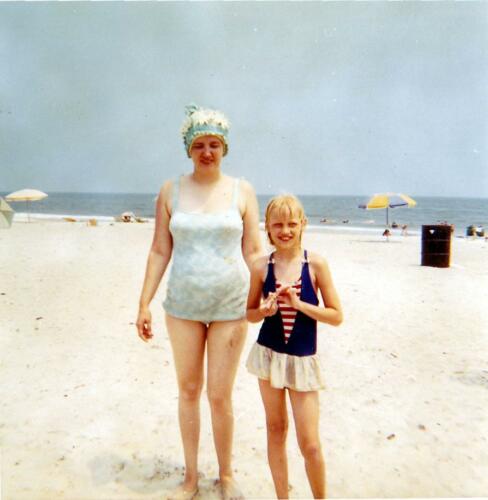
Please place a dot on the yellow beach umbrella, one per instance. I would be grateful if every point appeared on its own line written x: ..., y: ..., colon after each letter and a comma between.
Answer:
x: 26, y: 195
x: 388, y: 200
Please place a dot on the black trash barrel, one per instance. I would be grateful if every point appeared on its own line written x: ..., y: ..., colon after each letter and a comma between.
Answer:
x: 436, y: 245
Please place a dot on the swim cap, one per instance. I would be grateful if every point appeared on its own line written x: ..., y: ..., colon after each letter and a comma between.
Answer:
x: 204, y: 121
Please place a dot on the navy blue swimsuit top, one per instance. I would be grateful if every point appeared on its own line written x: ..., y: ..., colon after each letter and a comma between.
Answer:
x: 303, y: 338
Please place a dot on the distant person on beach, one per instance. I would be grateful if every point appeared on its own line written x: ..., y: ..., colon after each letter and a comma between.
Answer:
x: 387, y: 234
x: 284, y: 292
x: 208, y: 223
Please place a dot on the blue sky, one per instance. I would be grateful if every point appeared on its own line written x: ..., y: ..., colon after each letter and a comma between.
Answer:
x: 323, y: 97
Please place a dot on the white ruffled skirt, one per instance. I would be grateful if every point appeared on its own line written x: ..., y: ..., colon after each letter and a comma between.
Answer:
x: 300, y: 373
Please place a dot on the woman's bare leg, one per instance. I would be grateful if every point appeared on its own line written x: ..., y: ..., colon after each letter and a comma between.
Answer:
x: 188, y: 344
x: 305, y: 407
x: 225, y: 340
x: 274, y: 401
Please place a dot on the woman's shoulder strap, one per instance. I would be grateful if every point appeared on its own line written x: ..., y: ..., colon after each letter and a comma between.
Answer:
x: 235, y: 192
x: 175, y: 187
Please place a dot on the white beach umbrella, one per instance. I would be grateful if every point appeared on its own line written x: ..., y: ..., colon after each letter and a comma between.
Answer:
x: 26, y: 195
x: 6, y: 214
x: 128, y: 216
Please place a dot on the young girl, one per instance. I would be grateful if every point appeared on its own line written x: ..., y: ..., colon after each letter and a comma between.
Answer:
x: 284, y: 292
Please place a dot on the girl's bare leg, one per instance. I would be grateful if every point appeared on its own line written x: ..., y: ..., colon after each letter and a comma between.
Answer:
x: 225, y: 340
x: 188, y: 344
x: 274, y: 401
x: 305, y: 407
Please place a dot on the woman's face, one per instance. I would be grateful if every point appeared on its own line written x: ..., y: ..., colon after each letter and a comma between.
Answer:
x: 207, y: 152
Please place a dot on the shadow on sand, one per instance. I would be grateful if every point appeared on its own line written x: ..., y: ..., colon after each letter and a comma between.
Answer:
x: 147, y: 476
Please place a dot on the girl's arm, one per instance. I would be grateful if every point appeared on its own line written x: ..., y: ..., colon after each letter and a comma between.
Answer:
x: 331, y: 311
x: 251, y: 241
x: 157, y: 261
x: 257, y: 310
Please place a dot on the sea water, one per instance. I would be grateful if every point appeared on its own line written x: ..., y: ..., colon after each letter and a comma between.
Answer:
x: 332, y: 212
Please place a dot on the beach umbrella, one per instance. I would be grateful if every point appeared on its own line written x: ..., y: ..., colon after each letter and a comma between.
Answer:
x: 128, y: 217
x: 6, y: 214
x: 26, y: 195
x: 388, y: 200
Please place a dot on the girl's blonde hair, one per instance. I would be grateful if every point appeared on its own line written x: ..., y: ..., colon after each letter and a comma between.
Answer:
x: 286, y: 205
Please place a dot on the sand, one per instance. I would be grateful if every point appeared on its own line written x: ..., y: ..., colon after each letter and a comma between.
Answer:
x: 88, y: 411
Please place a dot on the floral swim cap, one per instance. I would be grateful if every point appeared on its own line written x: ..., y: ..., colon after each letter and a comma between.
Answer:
x: 204, y: 121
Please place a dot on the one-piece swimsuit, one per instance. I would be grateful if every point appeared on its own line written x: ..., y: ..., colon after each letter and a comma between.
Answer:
x: 209, y: 279
x: 288, y: 360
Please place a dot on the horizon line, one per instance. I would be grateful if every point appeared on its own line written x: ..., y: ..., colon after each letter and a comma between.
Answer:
x: 149, y: 193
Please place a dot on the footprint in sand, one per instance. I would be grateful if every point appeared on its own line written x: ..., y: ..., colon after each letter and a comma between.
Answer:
x: 479, y: 377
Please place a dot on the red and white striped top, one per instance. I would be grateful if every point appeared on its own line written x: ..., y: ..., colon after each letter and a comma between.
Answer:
x: 288, y: 314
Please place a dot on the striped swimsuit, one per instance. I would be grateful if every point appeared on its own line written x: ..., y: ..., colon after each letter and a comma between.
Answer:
x: 285, y: 351
x: 288, y: 314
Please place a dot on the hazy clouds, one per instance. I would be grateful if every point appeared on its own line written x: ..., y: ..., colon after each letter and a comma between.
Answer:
x: 324, y: 98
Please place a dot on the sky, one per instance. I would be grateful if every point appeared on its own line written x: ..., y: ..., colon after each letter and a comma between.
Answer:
x: 323, y: 97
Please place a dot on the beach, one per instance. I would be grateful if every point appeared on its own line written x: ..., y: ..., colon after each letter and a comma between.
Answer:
x: 89, y: 411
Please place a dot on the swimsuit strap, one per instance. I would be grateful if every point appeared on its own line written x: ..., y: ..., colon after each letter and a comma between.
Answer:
x: 270, y: 281
x: 235, y: 194
x: 176, y: 190
x: 305, y: 269
x: 271, y: 267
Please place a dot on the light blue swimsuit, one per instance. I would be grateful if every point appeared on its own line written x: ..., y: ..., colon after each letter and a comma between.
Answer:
x: 209, y: 279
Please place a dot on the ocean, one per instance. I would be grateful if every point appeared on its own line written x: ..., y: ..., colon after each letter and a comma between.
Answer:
x: 332, y: 212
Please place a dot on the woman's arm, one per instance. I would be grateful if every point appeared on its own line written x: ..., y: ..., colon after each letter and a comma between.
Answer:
x: 157, y: 261
x: 331, y: 311
x: 257, y: 310
x: 251, y: 240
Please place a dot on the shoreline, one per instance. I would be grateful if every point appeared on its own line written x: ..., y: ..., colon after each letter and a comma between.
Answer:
x: 367, y: 228
x: 326, y: 210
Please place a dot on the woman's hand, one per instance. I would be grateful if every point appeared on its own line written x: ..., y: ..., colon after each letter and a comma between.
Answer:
x: 157, y: 260
x: 143, y: 324
x: 269, y: 306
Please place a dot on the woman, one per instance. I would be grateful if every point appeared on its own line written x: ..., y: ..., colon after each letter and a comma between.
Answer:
x: 208, y: 223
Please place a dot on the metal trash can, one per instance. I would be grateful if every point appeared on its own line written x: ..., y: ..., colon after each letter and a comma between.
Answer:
x: 436, y: 245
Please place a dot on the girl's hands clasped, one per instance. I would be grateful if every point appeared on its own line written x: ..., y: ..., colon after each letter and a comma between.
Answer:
x: 288, y: 294
x: 143, y: 324
x: 290, y: 297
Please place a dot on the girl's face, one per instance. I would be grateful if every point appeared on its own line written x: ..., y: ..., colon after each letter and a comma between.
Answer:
x: 207, y: 151
x: 285, y: 230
